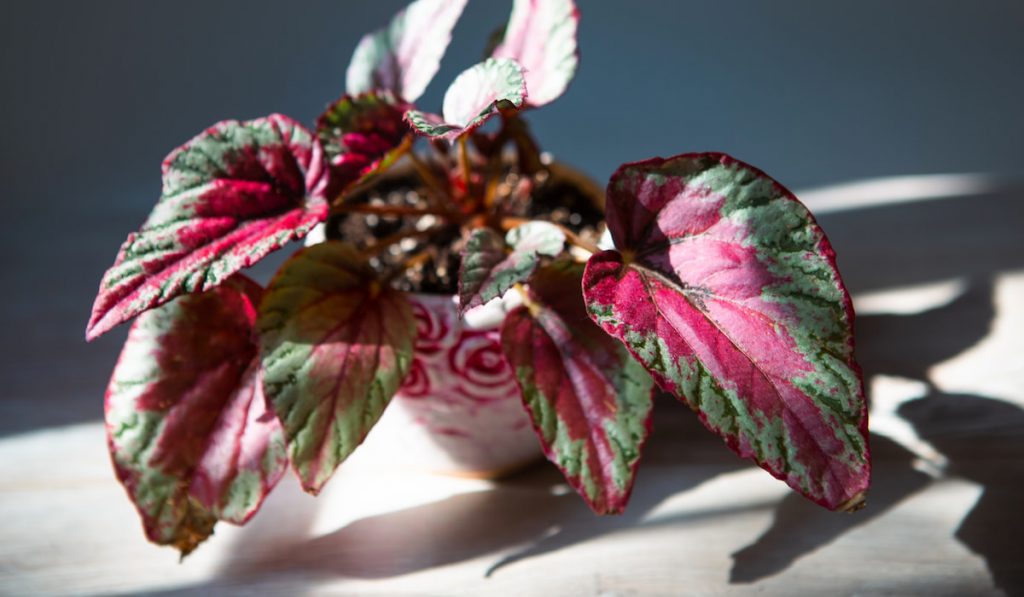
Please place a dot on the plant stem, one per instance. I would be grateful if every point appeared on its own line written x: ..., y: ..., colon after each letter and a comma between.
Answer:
x: 464, y: 161
x: 391, y: 239
x: 493, y: 180
x: 428, y: 178
x: 526, y: 147
x: 391, y: 210
x: 528, y: 302
x: 401, y: 150
x: 579, y: 242
x: 408, y: 262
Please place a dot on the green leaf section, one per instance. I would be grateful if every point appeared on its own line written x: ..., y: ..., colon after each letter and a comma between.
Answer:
x: 727, y: 289
x: 335, y: 346
x: 188, y: 430
x: 489, y: 270
x: 364, y: 132
x: 589, y: 401
x: 231, y: 195
x: 475, y: 96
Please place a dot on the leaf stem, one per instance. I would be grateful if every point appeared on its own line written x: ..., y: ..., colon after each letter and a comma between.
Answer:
x: 526, y: 147
x: 399, y: 236
x: 428, y: 178
x: 392, y: 210
x: 582, y: 243
x: 464, y: 161
x: 528, y: 302
x: 408, y: 262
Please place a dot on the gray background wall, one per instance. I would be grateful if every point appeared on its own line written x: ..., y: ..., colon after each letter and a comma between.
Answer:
x: 96, y: 93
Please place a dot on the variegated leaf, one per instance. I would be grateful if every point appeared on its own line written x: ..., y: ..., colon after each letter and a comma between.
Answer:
x: 727, y: 291
x: 488, y: 270
x: 589, y: 401
x: 403, y: 57
x: 476, y: 95
x: 335, y: 347
x: 231, y: 195
x: 362, y: 135
x: 541, y: 36
x: 189, y: 431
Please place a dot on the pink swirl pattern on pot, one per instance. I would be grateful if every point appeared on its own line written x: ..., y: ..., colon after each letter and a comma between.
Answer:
x: 454, y: 363
x: 462, y: 393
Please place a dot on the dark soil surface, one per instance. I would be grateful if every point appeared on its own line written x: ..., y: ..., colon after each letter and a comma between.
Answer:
x: 558, y: 194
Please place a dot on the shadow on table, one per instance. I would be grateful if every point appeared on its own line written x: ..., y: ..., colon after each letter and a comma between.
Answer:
x: 982, y: 438
x: 984, y: 442
x: 546, y: 516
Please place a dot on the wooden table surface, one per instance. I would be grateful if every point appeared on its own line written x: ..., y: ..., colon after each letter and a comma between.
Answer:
x: 937, y: 269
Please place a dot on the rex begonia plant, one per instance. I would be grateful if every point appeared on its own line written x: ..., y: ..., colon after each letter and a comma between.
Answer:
x: 720, y: 290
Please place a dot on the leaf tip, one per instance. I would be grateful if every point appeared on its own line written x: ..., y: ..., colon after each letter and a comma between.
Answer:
x: 97, y: 326
x: 855, y: 503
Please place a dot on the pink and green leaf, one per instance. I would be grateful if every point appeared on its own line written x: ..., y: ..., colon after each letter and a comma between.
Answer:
x: 727, y: 291
x: 476, y: 95
x: 541, y: 36
x: 362, y: 135
x: 403, y: 57
x: 589, y: 401
x: 188, y: 428
x: 231, y: 195
x: 335, y: 347
x: 489, y: 270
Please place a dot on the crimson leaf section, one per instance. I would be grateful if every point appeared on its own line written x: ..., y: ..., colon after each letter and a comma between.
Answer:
x: 231, y: 195
x: 362, y: 135
x: 335, y: 346
x: 474, y: 97
x: 189, y: 432
x: 727, y: 291
x: 541, y: 35
x: 488, y: 271
x: 403, y: 57
x: 589, y: 401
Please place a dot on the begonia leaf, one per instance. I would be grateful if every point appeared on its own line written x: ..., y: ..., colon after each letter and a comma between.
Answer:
x: 403, y: 57
x: 362, y: 135
x: 335, y: 346
x: 541, y: 36
x: 188, y: 428
x: 476, y: 95
x: 488, y: 270
x: 589, y: 401
x: 726, y: 289
x: 231, y: 195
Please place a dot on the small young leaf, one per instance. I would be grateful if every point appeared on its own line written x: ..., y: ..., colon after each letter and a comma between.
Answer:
x: 231, y: 195
x: 487, y: 271
x: 541, y: 36
x: 476, y: 95
x: 404, y: 56
x: 362, y: 135
x: 335, y: 346
x: 727, y: 291
x: 590, y: 402
x: 188, y: 428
